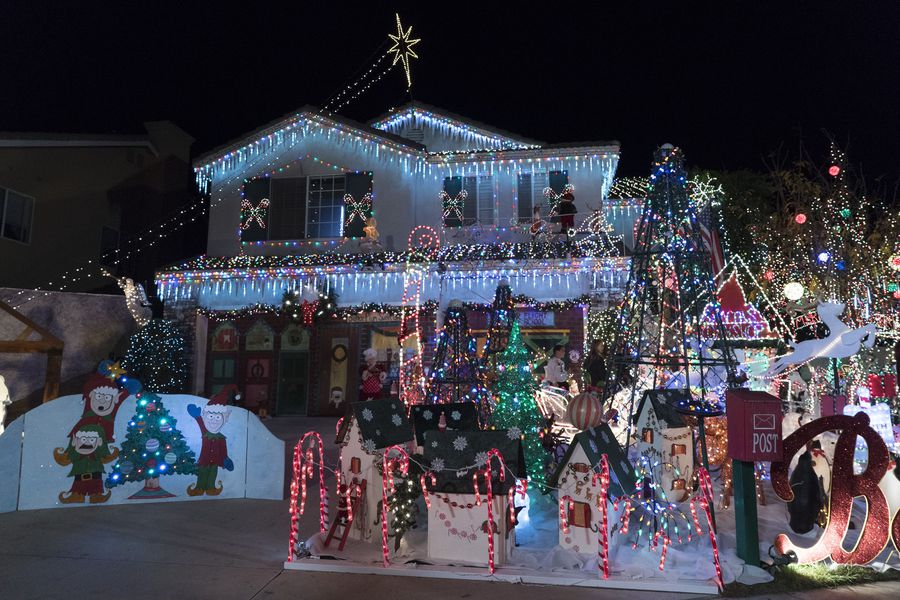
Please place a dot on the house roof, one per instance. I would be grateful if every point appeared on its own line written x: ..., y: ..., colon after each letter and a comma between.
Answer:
x: 23, y: 139
x: 305, y: 112
x: 454, y: 456
x: 382, y: 423
x: 459, y: 416
x: 664, y: 402
x: 460, y: 121
x: 596, y: 442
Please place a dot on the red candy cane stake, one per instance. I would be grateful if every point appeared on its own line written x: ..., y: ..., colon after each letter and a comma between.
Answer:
x: 565, y: 503
x: 301, y: 472
x: 387, y: 480
x: 603, y: 546
x: 704, y: 500
x: 423, y: 478
x: 486, y: 472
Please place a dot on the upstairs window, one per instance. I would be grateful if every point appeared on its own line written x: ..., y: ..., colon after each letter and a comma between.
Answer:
x: 16, y: 214
x: 294, y: 208
x: 530, y: 191
x: 477, y: 207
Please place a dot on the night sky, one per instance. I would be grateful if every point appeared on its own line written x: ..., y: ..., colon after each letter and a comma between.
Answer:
x: 728, y: 81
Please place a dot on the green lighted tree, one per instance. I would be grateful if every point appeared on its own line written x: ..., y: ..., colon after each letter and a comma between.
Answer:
x: 153, y: 446
x: 156, y: 355
x: 404, y: 510
x: 516, y: 406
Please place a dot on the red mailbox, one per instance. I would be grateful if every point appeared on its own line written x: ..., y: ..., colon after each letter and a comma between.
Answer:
x: 754, y: 425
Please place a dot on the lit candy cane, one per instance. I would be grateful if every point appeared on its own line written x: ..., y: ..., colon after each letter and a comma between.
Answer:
x: 302, y: 472
x: 666, y: 542
x: 603, y: 547
x: 492, y: 453
x: 337, y: 428
x: 475, y: 485
x: 705, y: 499
x: 387, y: 480
x: 565, y: 504
x: 523, y: 490
x: 422, y: 481
x: 626, y: 514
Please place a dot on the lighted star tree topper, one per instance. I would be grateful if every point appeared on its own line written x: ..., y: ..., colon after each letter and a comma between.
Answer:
x: 402, y: 49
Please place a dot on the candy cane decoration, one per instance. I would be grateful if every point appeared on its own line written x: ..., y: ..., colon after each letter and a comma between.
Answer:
x: 486, y: 472
x: 303, y: 472
x: 603, y: 546
x: 387, y: 480
x: 453, y: 206
x: 704, y: 499
x: 626, y: 514
x: 565, y: 505
x: 666, y: 543
x: 255, y: 213
x: 422, y: 481
x: 357, y: 208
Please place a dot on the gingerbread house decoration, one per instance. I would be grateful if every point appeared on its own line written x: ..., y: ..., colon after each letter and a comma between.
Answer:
x: 666, y: 440
x: 453, y: 416
x: 366, y: 431
x: 458, y: 526
x: 574, y: 479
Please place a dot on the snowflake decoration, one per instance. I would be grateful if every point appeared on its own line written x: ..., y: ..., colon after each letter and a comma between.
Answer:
x: 513, y: 433
x: 367, y: 414
x: 460, y: 443
x: 377, y: 432
x: 437, y: 465
x: 396, y: 420
x: 434, y: 444
x: 481, y: 458
x: 369, y: 446
x: 427, y: 414
x: 455, y: 415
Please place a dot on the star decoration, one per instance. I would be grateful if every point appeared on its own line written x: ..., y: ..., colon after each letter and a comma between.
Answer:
x: 116, y: 371
x: 402, y: 49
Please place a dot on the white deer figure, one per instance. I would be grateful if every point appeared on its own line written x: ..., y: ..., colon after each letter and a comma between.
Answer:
x: 842, y: 342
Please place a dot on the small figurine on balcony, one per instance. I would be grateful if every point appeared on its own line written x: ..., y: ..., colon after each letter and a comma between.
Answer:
x: 370, y: 242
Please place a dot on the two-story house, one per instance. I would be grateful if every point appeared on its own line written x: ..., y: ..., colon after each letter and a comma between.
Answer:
x: 289, y: 207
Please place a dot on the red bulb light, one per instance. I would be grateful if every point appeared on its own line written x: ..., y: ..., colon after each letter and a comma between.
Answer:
x: 800, y: 218
x: 770, y: 275
x: 834, y: 170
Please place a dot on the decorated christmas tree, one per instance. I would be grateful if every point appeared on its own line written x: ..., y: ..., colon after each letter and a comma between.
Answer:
x: 457, y: 374
x: 157, y: 357
x: 153, y: 447
x: 500, y: 319
x: 516, y: 408
x: 662, y: 337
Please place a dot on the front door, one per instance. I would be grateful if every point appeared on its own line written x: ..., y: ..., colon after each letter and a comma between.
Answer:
x: 337, y: 379
x: 292, y: 383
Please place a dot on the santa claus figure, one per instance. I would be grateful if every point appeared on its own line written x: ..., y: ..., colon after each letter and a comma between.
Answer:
x: 372, y: 376
x: 566, y: 210
x: 87, y: 453
x: 214, y: 447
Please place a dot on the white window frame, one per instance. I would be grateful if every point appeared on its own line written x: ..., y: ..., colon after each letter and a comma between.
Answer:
x: 4, y: 194
x: 309, y: 192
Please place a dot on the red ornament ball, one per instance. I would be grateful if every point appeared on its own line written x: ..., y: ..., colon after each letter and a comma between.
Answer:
x: 800, y: 218
x: 770, y: 275
x: 834, y: 170
x: 897, y: 295
x: 151, y: 462
x: 151, y: 407
x: 584, y: 411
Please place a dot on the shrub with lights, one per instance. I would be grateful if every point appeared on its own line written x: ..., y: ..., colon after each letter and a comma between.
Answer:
x: 157, y: 356
x: 153, y: 447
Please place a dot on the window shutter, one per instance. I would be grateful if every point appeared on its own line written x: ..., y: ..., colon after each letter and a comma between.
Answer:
x: 254, y: 192
x: 357, y: 185
x: 525, y: 198
x: 486, y: 199
x: 558, y: 180
x: 470, y: 208
x: 452, y: 186
x: 540, y: 180
x: 287, y: 209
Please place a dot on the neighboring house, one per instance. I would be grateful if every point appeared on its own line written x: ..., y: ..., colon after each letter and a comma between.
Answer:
x: 288, y: 206
x: 68, y: 200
